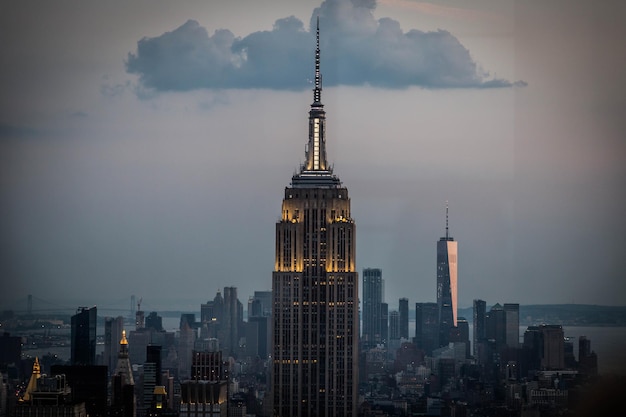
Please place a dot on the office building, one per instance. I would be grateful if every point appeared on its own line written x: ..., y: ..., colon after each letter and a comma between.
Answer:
x: 480, y: 334
x: 394, y: 325
x: 403, y: 318
x: 315, y: 286
x: 229, y: 337
x: 88, y: 384
x: 373, y: 290
x: 427, y: 327
x: 496, y: 326
x: 511, y: 312
x: 151, y: 375
x: 544, y: 347
x: 260, y: 305
x: 112, y: 335
x: 83, y: 334
x: 207, y: 366
x: 447, y: 252
x: 384, y: 322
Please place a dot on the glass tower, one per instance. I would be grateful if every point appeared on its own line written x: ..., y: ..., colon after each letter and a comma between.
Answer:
x: 315, y: 286
x: 446, y: 284
x: 373, y: 287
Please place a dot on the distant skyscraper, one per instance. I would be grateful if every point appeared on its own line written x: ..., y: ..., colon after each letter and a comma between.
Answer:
x: 427, y: 327
x: 384, y: 322
x: 460, y: 333
x: 260, y: 305
x: 496, y: 326
x: 315, y: 287
x: 447, y: 252
x: 373, y: 287
x: 186, y: 342
x: 123, y: 402
x: 230, y: 322
x: 544, y: 347
x: 480, y: 311
x: 112, y: 335
x: 394, y: 325
x: 83, y: 349
x: 151, y: 374
x: 403, y: 309
x: 511, y: 312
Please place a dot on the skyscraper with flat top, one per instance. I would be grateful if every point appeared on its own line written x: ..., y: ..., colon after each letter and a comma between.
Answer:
x: 446, y: 284
x: 373, y: 287
x: 83, y: 336
x: 315, y: 286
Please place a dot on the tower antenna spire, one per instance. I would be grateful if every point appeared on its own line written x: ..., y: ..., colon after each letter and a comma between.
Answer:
x: 317, y: 92
x: 447, y: 229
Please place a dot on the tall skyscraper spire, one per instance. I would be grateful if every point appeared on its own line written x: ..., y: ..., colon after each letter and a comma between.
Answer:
x: 447, y: 285
x: 315, y: 287
x: 316, y: 170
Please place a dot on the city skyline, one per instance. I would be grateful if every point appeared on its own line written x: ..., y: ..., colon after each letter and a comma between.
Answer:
x: 110, y: 182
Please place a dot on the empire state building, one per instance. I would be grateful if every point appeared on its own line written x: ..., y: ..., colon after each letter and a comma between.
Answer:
x: 315, y: 286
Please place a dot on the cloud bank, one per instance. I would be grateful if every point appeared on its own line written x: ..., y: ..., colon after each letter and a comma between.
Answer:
x: 357, y: 49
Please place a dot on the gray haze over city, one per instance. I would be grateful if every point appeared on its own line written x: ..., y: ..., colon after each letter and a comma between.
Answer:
x: 145, y: 145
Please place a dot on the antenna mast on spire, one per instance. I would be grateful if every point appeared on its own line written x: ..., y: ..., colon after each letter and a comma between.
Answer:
x: 317, y: 92
x: 447, y: 234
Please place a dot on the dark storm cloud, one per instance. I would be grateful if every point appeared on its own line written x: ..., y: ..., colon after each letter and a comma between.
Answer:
x: 357, y: 49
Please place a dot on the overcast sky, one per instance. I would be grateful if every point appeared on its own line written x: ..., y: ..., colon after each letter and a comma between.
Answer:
x: 145, y: 145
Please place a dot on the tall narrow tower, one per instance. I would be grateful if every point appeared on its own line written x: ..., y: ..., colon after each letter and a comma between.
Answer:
x: 315, y: 286
x: 446, y: 284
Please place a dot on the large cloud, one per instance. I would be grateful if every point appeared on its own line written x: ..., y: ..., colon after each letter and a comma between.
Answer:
x: 357, y: 49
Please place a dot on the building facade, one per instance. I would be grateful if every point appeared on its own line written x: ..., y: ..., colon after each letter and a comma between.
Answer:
x: 403, y: 309
x: 426, y: 327
x: 315, y: 286
x: 83, y: 349
x: 480, y: 331
x: 373, y: 287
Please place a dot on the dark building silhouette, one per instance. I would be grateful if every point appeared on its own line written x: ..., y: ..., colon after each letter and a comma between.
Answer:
x: 479, y: 322
x: 258, y: 337
x: 544, y: 348
x: 88, y: 384
x: 496, y: 327
x: 48, y: 397
x: 10, y: 351
x: 260, y: 305
x: 403, y: 310
x: 315, y: 287
x: 229, y: 338
x: 112, y: 336
x: 394, y: 325
x: 83, y: 336
x: 152, y: 369
x: 154, y: 322
x: 460, y: 334
x: 384, y: 322
x: 427, y: 327
x: 207, y: 366
x: 373, y: 287
x: 587, y: 359
x: 447, y: 252
x: 511, y: 312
